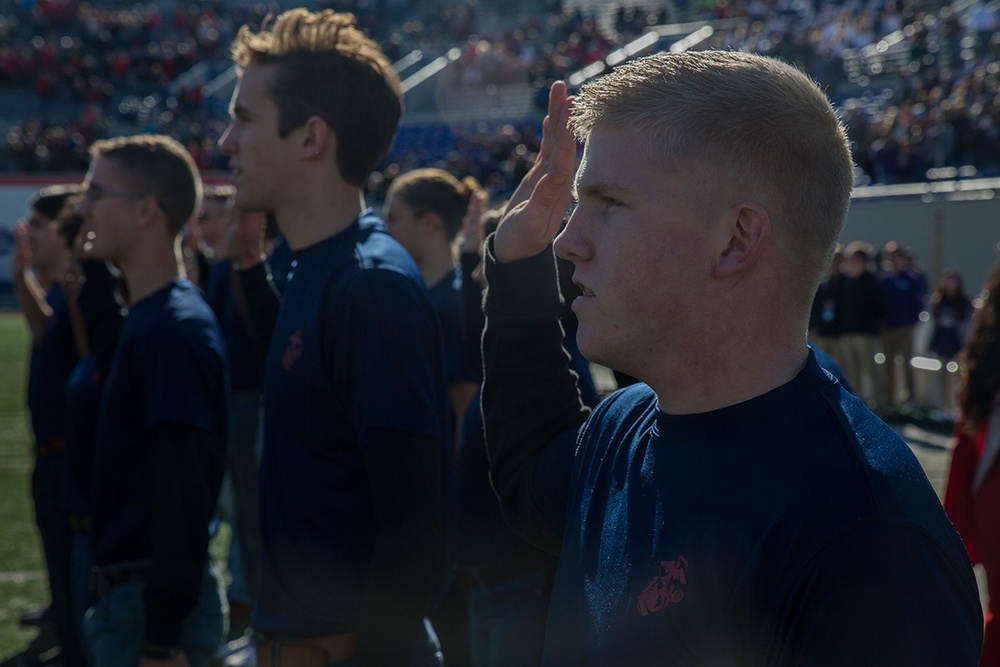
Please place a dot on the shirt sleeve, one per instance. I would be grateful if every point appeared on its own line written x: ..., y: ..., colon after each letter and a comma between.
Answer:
x: 186, y: 473
x: 531, y: 405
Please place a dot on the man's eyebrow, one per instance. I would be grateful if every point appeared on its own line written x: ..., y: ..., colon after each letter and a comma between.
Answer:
x: 600, y: 189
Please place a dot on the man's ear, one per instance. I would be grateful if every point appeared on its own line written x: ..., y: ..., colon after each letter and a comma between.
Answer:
x: 431, y: 222
x: 749, y: 226
x: 149, y: 209
x: 316, y: 138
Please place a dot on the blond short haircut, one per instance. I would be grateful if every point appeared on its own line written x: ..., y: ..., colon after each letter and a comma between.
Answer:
x: 157, y: 165
x: 753, y: 127
x: 325, y: 66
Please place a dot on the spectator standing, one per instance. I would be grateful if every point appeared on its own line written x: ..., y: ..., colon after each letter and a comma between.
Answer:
x: 424, y: 210
x: 862, y: 310
x: 905, y: 291
x: 738, y: 506
x: 217, y: 216
x: 357, y: 445
x: 951, y: 310
x: 824, y: 320
x: 161, y: 434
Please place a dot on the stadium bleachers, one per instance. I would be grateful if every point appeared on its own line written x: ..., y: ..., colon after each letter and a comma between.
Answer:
x: 916, y: 81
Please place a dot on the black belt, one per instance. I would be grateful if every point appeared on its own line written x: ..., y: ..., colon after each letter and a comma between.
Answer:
x: 83, y: 522
x: 48, y: 447
x: 102, y: 580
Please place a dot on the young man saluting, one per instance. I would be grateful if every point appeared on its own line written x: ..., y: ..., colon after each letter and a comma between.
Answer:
x: 738, y: 507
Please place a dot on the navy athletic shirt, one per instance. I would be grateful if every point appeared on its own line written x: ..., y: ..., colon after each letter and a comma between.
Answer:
x: 53, y: 358
x: 83, y: 403
x: 169, y: 369
x: 792, y: 529
x: 244, y: 368
x: 355, y: 356
x: 448, y: 302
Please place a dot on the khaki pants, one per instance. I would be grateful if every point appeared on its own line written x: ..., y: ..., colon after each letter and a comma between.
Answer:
x: 858, y: 363
x: 897, y: 343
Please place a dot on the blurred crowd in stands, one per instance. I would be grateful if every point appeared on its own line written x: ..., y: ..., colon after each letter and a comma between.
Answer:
x: 100, y: 69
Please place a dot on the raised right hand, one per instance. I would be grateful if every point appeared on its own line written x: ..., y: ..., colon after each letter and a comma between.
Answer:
x: 536, y: 209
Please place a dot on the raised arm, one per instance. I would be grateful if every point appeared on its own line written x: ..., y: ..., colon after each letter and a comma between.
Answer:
x: 30, y: 293
x: 531, y: 405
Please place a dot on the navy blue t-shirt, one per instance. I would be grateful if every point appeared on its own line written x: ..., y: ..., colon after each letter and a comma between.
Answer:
x: 756, y: 535
x: 244, y: 367
x: 446, y: 296
x: 53, y: 358
x: 169, y: 369
x: 83, y: 404
x: 355, y: 355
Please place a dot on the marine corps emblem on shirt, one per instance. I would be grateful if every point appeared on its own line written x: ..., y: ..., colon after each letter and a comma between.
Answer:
x: 666, y: 588
x: 293, y: 351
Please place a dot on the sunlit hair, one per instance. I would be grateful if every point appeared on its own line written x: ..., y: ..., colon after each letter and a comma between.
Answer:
x: 982, y: 356
x: 157, y: 165
x: 325, y: 66
x: 49, y: 201
x: 435, y: 190
x: 747, y: 126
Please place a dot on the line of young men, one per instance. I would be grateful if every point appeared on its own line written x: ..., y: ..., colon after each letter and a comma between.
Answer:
x: 736, y: 507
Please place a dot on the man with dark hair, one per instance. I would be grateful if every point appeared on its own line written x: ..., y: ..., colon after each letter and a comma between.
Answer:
x: 161, y: 434
x: 905, y: 291
x: 861, y: 310
x: 40, y: 262
x: 356, y: 437
x: 737, y: 506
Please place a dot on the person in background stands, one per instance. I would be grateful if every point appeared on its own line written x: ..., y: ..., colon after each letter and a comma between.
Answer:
x: 951, y: 311
x: 861, y: 311
x: 424, y: 210
x: 824, y: 319
x: 905, y: 291
x: 39, y: 265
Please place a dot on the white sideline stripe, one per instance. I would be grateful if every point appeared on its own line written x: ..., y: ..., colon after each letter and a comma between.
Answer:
x: 21, y: 576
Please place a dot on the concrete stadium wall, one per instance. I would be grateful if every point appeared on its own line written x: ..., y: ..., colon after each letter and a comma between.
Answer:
x: 948, y: 225
x: 956, y: 226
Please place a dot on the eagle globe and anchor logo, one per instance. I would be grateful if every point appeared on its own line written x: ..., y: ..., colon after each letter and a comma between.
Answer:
x: 664, y: 589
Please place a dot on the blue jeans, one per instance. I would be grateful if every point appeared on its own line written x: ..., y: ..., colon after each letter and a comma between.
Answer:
x: 507, y: 621
x: 83, y: 597
x: 116, y: 626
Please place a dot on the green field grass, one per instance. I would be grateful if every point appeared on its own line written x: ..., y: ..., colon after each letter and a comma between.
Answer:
x: 22, y: 583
